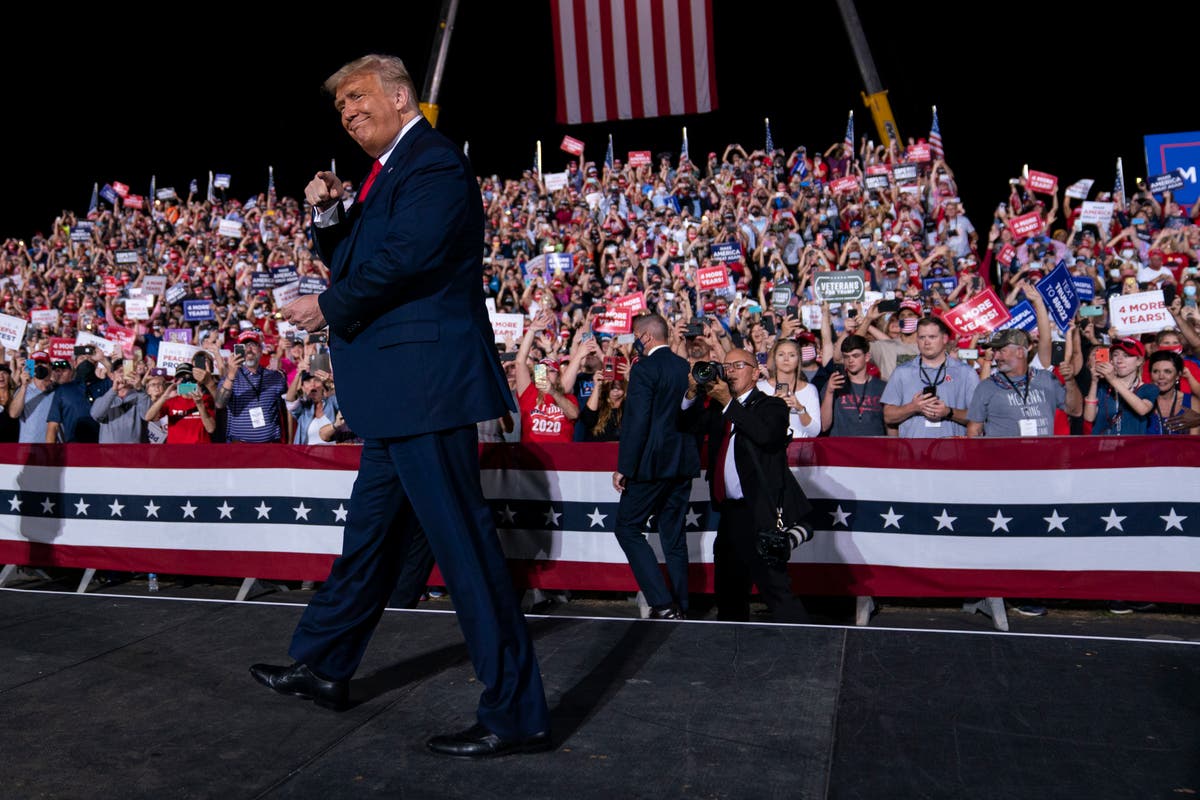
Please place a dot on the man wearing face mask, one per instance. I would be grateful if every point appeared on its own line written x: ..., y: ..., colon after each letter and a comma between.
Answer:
x: 70, y: 417
x: 31, y: 399
x: 656, y: 463
x: 888, y: 352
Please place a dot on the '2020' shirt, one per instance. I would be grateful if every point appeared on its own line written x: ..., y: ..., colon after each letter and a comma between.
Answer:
x: 544, y: 422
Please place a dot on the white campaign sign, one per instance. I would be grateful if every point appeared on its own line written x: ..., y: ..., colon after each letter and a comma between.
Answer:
x: 512, y: 325
x: 1143, y: 312
x: 110, y: 348
x: 172, y: 354
x: 137, y: 307
x: 12, y: 331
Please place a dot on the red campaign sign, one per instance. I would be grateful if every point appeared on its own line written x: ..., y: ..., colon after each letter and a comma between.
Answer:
x: 1025, y: 225
x: 846, y: 184
x: 615, y: 320
x: 983, y: 312
x: 920, y: 152
x: 111, y: 289
x: 877, y: 169
x: 572, y: 146
x: 639, y: 158
x: 122, y: 336
x: 121, y: 189
x: 134, y: 201
x: 633, y: 303
x: 1006, y: 255
x: 62, y: 347
x: 1042, y: 182
x: 715, y: 277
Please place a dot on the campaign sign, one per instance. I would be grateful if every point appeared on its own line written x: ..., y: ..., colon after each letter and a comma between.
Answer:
x: 81, y: 234
x: 1025, y: 225
x: 843, y: 185
x: 726, y: 252
x: 1041, y: 182
x: 1178, y: 153
x: 1143, y: 312
x: 572, y: 146
x: 166, y: 193
x: 843, y: 286
x: 110, y: 348
x: 172, y: 354
x: 262, y: 281
x: 310, y: 284
x: 137, y: 308
x: 286, y: 294
x: 62, y: 347
x: 135, y: 201
x: 1006, y: 254
x: 282, y: 276
x: 198, y: 310
x: 715, y: 277
x: 877, y: 181
x: 633, y: 303
x: 905, y: 173
x: 126, y: 256
x: 12, y: 331
x: 47, y: 317
x: 1169, y: 182
x: 947, y: 282
x: 221, y: 181
x: 1021, y: 316
x: 920, y: 153
x: 639, y: 158
x: 121, y: 189
x: 554, y: 180
x: 176, y: 293
x: 511, y: 326
x: 560, y: 262
x: 124, y: 338
x: 181, y: 335
x: 781, y: 297
x: 1085, y: 288
x: 1058, y: 290
x: 878, y: 169
x: 614, y: 320
x: 983, y: 312
x: 1094, y: 212
x: 231, y: 228
x: 1079, y: 189
x: 811, y: 315
x: 154, y: 284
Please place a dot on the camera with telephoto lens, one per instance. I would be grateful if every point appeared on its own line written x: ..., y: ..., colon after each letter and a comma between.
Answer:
x: 706, y: 372
x: 775, y: 546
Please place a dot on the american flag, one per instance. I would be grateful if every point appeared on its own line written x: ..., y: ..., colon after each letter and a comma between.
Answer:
x: 849, y: 140
x: 1119, y: 185
x: 94, y: 205
x: 270, y: 180
x: 633, y: 59
x: 608, y: 155
x: 770, y: 141
x: 935, y: 138
x: 683, y: 152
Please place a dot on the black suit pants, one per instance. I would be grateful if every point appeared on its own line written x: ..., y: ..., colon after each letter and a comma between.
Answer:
x: 737, y: 566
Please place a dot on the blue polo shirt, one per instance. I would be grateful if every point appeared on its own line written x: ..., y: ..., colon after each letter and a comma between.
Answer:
x: 252, y: 414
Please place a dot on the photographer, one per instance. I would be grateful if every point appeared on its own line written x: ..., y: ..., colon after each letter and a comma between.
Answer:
x: 751, y: 486
x: 190, y: 409
x: 251, y: 395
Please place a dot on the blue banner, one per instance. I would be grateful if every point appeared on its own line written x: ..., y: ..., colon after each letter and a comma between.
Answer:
x: 108, y: 193
x: 1168, y: 152
x: 948, y: 283
x: 560, y: 262
x: 198, y: 310
x: 310, y: 284
x: 1085, y: 288
x: 176, y: 292
x: 1058, y: 290
x: 262, y: 280
x: 285, y: 275
x: 726, y: 252
x: 1023, y: 317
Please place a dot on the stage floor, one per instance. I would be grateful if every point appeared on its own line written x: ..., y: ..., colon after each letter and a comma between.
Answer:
x: 128, y: 697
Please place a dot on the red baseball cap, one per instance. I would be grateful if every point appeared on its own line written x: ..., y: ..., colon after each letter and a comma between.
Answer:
x: 250, y: 335
x: 1130, y: 347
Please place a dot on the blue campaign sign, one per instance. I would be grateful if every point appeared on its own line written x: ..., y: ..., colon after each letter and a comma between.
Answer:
x: 948, y: 283
x: 560, y: 262
x: 310, y: 284
x: 1169, y: 152
x: 198, y: 310
x: 1058, y: 290
x: 1023, y: 317
x: 725, y: 252
x: 285, y: 275
x: 262, y: 280
x: 1085, y: 288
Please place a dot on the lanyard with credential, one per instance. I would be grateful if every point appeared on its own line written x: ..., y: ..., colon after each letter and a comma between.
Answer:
x: 937, y: 376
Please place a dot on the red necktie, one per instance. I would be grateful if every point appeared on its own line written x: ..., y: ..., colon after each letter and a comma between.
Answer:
x: 718, y: 478
x: 366, y: 187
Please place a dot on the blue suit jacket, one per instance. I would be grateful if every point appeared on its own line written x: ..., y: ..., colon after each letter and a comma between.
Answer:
x: 410, y: 339
x: 654, y: 444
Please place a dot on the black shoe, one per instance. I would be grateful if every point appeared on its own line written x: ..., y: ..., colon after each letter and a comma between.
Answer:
x: 478, y: 742
x: 667, y: 612
x: 299, y: 681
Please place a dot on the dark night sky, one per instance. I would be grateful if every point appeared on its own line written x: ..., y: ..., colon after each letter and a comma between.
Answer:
x: 101, y: 101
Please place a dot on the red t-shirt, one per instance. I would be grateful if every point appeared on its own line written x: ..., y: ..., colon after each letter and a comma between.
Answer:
x: 545, y: 422
x: 184, y: 425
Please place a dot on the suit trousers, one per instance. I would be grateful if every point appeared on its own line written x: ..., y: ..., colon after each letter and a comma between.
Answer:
x: 668, y: 500
x: 737, y: 566
x: 434, y: 476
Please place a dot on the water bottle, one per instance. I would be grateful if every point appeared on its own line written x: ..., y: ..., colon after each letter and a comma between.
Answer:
x: 153, y: 580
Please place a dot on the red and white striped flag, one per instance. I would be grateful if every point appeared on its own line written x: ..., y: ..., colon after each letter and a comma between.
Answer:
x: 629, y: 59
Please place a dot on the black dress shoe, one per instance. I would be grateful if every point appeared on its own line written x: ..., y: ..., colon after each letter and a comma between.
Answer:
x: 667, y: 612
x: 478, y: 742
x: 299, y: 681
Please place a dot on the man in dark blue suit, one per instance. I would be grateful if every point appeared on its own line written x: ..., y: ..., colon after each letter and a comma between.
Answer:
x: 404, y: 298
x: 656, y: 463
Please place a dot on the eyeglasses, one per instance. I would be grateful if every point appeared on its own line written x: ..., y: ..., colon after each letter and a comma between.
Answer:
x: 737, y: 365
